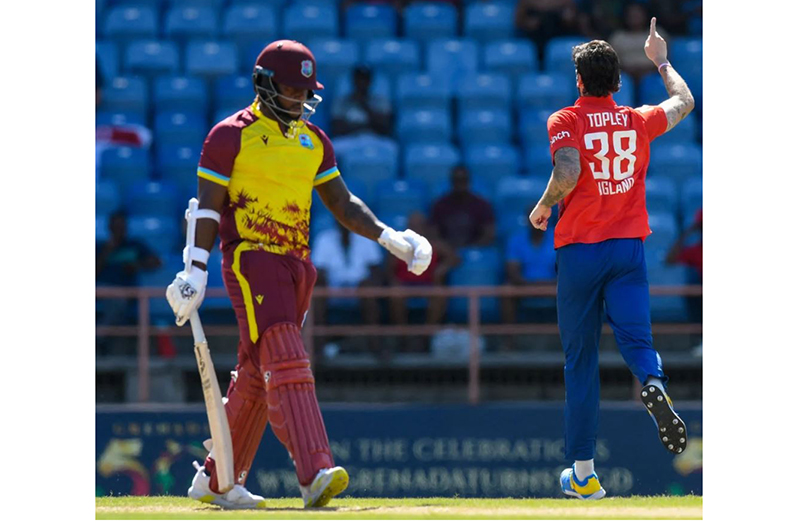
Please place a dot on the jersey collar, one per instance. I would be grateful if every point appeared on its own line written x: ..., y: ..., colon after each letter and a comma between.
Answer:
x: 255, y: 107
x: 596, y: 100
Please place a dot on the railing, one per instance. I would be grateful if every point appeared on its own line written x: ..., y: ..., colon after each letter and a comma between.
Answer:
x: 144, y: 329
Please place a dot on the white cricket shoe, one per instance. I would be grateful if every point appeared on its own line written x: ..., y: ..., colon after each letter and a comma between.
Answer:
x: 237, y: 498
x: 327, y: 484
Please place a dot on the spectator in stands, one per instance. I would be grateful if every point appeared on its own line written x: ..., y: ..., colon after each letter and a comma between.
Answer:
x: 692, y: 256
x: 529, y: 261
x: 629, y: 42
x: 444, y: 258
x: 462, y: 218
x: 542, y: 20
x: 343, y: 259
x: 362, y: 111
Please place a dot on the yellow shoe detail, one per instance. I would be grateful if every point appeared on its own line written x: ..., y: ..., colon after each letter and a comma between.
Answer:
x: 589, y: 489
x: 336, y: 485
x: 207, y: 499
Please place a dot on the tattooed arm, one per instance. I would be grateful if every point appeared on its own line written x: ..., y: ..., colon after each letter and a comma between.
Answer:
x: 349, y: 209
x: 564, y: 177
x: 681, y: 101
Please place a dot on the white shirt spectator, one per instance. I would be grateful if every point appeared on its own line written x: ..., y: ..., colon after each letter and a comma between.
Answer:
x: 344, y: 267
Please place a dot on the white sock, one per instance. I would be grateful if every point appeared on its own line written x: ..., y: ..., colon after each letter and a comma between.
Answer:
x: 583, y: 469
x: 656, y: 382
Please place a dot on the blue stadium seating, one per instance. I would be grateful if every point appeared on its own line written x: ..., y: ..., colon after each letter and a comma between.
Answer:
x: 514, y: 58
x: 431, y: 163
x: 652, y: 90
x: 119, y: 118
x: 124, y: 94
x: 124, y: 165
x: 108, y: 59
x: 101, y: 232
x: 123, y: 24
x: 375, y: 160
x: 392, y: 57
x: 664, y: 229
x: 401, y: 196
x: 335, y: 58
x: 107, y: 199
x: 480, y: 185
x: 304, y: 22
x: 173, y: 127
x: 365, y: 22
x: 153, y: 199
x: 557, y: 56
x: 532, y: 127
x: 661, y: 195
x: 424, y: 126
x: 160, y: 311
x: 233, y: 91
x: 151, y: 57
x: 183, y: 24
x: 248, y: 25
x: 484, y: 127
x: 424, y: 21
x: 180, y: 93
x: 160, y: 234
x: 692, y: 200
x: 211, y: 59
x: 380, y: 85
x: 547, y: 91
x: 537, y: 160
x: 626, y: 95
x: 517, y: 193
x: 450, y: 59
x: 178, y: 164
x: 675, y: 161
x: 198, y: 3
x: 488, y: 21
x: 684, y: 132
x: 484, y: 91
x: 421, y: 91
x: 667, y: 308
x: 275, y: 4
x: 492, y: 162
x: 686, y: 54
x: 480, y: 266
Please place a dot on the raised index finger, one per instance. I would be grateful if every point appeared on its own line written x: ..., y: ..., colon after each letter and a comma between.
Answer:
x: 653, y: 30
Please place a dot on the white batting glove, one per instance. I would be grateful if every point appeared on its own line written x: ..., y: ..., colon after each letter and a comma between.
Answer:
x: 396, y: 244
x: 422, y: 252
x: 186, y: 292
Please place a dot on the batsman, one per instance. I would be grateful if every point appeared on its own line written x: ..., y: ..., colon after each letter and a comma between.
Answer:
x: 256, y: 175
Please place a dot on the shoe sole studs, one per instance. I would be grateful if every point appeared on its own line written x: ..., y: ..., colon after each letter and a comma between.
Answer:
x: 671, y: 428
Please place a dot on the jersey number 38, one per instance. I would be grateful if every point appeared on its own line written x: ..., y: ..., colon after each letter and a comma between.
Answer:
x: 623, y: 161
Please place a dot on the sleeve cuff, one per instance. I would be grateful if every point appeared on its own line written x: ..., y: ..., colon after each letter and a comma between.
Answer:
x: 326, y: 176
x: 213, y: 176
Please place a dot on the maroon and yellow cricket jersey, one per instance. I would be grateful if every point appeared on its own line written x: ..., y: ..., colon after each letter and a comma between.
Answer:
x: 269, y: 180
x: 609, y: 200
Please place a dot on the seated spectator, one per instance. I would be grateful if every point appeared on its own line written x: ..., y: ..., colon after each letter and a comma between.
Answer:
x: 344, y: 259
x: 444, y: 258
x: 629, y: 42
x: 119, y: 261
x: 530, y: 260
x: 692, y: 256
x: 361, y: 111
x: 462, y: 218
x: 542, y: 20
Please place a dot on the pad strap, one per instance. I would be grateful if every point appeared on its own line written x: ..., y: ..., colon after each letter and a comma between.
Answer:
x: 207, y: 213
x: 193, y: 253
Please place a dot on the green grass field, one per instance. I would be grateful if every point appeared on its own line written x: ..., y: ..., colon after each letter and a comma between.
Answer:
x: 662, y: 507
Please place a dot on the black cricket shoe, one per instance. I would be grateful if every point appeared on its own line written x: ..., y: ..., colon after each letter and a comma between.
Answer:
x: 670, y: 428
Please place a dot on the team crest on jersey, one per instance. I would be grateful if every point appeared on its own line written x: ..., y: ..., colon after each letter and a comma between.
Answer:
x: 305, y: 141
x: 307, y: 68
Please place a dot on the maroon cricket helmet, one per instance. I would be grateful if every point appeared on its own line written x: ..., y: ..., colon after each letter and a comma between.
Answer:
x: 290, y: 63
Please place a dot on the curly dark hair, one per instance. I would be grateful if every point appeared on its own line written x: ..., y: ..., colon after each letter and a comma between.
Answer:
x: 598, y: 65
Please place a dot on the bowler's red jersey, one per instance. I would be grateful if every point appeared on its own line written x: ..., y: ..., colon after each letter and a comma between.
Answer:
x: 609, y: 200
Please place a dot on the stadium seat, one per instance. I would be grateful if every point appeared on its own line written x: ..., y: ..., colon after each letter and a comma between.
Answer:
x: 424, y: 21
x: 123, y: 24
x: 661, y: 196
x: 233, y: 91
x: 480, y: 185
x: 421, y: 91
x: 537, y: 160
x: 516, y: 194
x: 160, y: 311
x: 484, y: 91
x: 125, y: 94
x: 173, y: 127
x: 424, y: 126
x: 401, y: 196
x: 684, y: 132
x: 178, y: 163
x: 106, y: 197
x: 489, y: 21
x: 652, y: 90
x: 154, y: 199
x: 557, y: 56
x: 484, y: 127
x: 304, y: 22
x: 160, y: 234
x: 118, y: 118
x: 626, y: 95
x: 692, y: 199
x: 108, y: 59
x: 686, y: 54
x: 211, y: 59
x: 183, y: 24
x: 532, y: 127
x: 335, y: 58
x: 667, y: 308
x: 180, y: 93
x: 450, y: 59
x: 365, y: 22
x: 101, y: 232
x: 124, y: 165
x: 373, y: 161
x: 200, y: 3
x: 151, y: 57
x: 675, y: 161
x: 393, y: 57
x: 380, y: 85
x: 664, y: 230
x: 275, y: 4
x: 492, y: 162
x: 248, y: 25
x: 514, y: 58
x: 479, y: 267
x: 430, y: 163
x: 547, y: 91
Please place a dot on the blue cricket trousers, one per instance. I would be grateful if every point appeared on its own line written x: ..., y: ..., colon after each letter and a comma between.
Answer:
x: 608, y: 275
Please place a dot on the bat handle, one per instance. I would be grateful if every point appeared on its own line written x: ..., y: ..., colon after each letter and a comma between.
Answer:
x: 196, y: 328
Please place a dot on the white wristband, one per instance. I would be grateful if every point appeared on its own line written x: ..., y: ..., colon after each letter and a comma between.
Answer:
x: 194, y: 253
